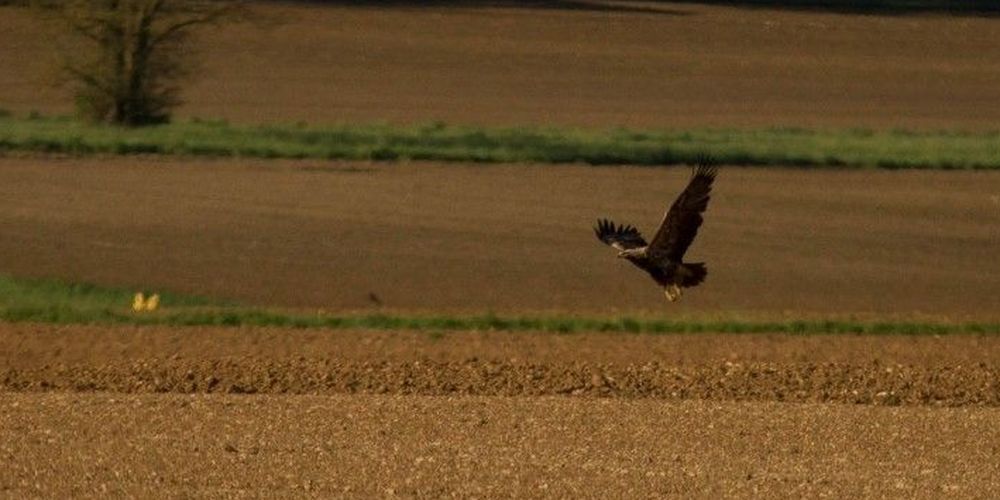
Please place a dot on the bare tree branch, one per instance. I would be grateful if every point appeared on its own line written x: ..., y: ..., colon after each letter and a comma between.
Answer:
x: 130, y: 54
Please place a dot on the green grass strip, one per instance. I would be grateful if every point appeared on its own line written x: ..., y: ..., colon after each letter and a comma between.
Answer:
x: 439, y: 142
x: 57, y: 302
x: 563, y: 325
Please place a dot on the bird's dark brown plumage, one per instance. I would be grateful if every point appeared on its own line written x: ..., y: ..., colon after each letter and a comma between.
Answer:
x: 680, y: 223
x: 621, y: 237
x: 662, y: 256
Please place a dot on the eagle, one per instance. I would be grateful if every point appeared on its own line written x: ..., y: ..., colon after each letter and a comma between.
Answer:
x: 662, y: 257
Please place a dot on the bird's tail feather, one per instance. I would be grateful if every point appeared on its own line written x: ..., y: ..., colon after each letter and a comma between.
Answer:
x: 693, y: 273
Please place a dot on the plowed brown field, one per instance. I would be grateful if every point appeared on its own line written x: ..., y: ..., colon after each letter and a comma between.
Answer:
x: 357, y: 414
x: 688, y: 66
x: 511, y: 238
x: 406, y: 414
x: 955, y: 370
x: 61, y: 445
x: 158, y: 412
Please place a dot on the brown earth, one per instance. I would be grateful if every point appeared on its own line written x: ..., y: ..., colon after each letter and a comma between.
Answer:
x: 513, y: 239
x: 363, y: 414
x: 954, y: 370
x: 61, y: 445
x: 689, y: 65
x: 635, y: 415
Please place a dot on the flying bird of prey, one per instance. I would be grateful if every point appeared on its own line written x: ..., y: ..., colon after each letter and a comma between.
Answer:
x: 661, y: 257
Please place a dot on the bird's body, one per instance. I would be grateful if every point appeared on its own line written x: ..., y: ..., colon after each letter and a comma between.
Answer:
x: 662, y: 257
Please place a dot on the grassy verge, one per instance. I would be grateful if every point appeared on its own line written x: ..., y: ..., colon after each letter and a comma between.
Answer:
x: 53, y: 301
x: 47, y: 301
x: 774, y: 146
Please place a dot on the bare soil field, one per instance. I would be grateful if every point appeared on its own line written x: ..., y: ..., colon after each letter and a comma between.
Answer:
x: 95, y: 411
x: 60, y: 445
x: 686, y: 65
x: 179, y: 412
x: 403, y: 414
x: 518, y: 238
x: 887, y: 370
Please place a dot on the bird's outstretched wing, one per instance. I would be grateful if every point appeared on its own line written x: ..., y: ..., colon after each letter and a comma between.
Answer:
x: 622, y: 237
x: 681, y: 222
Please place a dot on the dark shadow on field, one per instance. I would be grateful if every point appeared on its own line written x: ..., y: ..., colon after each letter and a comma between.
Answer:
x: 873, y: 7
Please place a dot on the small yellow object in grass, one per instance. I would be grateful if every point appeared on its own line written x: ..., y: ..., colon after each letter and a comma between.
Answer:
x: 141, y: 303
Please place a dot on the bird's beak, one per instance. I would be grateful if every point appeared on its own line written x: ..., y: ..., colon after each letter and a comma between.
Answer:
x: 621, y: 255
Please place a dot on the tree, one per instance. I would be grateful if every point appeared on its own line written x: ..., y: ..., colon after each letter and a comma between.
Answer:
x: 128, y: 57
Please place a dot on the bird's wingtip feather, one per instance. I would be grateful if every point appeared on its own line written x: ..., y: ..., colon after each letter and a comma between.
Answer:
x: 705, y: 166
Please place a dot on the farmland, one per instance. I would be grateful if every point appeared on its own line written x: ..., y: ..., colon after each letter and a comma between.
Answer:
x: 691, y: 66
x: 507, y: 238
x: 404, y: 325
